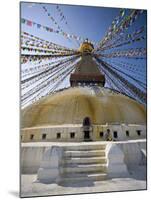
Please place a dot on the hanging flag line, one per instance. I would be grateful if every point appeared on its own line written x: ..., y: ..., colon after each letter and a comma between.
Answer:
x: 128, y: 75
x: 53, y: 20
x: 114, y: 81
x: 29, y: 43
x: 42, y: 72
x: 112, y: 86
x: 139, y: 67
x: 130, y: 91
x: 40, y: 50
x: 127, y: 67
x: 50, y: 70
x: 47, y: 82
x: 140, y: 83
x: 113, y: 27
x: 42, y: 77
x: 138, y: 91
x: 125, y: 40
x: 39, y: 67
x: 35, y: 39
x: 120, y: 85
x: 51, y: 30
x: 64, y: 77
x: 50, y: 73
x: 137, y: 39
x: 52, y: 55
x: 40, y: 45
x: 46, y: 70
x: 51, y: 77
x: 71, y: 68
x: 35, y: 80
x: 61, y: 80
x: 63, y: 18
x: 133, y: 35
x: 135, y: 90
x: 128, y: 21
x: 40, y: 94
x: 121, y: 26
x: 126, y: 53
x: 32, y: 58
x: 45, y: 51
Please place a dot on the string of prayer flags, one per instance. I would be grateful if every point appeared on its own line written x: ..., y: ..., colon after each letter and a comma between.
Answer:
x: 63, y: 18
x: 66, y: 35
x: 126, y: 53
x: 35, y: 39
x: 51, y: 18
x: 121, y: 26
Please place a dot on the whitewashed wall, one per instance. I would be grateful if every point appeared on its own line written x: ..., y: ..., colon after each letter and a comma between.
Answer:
x: 51, y: 133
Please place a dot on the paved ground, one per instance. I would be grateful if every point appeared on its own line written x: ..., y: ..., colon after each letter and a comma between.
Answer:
x: 31, y: 187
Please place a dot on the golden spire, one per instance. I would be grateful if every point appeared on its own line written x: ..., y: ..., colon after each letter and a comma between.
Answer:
x: 86, y: 47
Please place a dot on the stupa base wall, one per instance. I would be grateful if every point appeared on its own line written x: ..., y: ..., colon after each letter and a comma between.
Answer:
x: 109, y: 155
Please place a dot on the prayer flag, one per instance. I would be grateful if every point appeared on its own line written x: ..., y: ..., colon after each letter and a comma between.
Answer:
x: 38, y: 26
x: 29, y: 23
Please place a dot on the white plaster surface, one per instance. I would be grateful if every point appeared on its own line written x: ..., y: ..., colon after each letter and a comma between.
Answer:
x: 65, y: 130
x: 142, y: 142
x: 31, y: 187
x: 49, y: 166
x: 116, y: 165
x: 32, y: 153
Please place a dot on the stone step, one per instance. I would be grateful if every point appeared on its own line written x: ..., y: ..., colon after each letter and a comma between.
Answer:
x: 87, y: 160
x: 84, y: 147
x: 84, y: 163
x: 92, y: 153
x: 77, y: 168
x: 79, y: 177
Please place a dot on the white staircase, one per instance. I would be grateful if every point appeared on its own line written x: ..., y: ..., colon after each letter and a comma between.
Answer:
x: 84, y: 163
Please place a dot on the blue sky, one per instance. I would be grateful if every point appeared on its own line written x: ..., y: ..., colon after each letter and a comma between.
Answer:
x: 87, y: 22
x: 84, y: 21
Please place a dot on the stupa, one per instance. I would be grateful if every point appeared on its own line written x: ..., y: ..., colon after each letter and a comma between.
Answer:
x: 64, y: 134
x: 84, y: 111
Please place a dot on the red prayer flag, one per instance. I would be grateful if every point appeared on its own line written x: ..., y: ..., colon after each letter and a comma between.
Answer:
x: 29, y: 23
